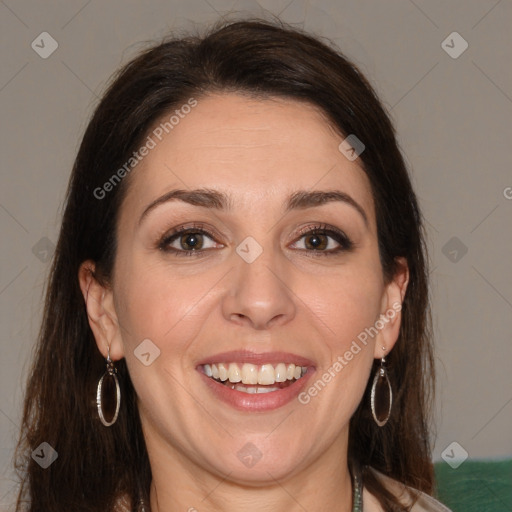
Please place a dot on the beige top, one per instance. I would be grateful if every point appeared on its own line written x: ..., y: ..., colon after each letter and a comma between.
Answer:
x: 425, y: 503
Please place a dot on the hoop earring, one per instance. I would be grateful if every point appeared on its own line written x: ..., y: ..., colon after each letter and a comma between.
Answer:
x: 109, y: 378
x: 381, y: 396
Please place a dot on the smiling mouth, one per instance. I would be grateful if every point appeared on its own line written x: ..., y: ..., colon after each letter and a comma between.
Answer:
x: 253, y: 379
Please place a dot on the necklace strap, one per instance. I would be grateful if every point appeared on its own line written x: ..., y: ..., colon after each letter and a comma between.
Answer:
x: 357, y: 488
x: 357, y: 495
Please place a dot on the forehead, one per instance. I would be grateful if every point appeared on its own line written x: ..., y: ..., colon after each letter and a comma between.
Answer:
x: 255, y: 150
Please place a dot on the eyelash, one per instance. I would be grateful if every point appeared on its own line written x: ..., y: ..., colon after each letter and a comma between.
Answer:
x: 320, y: 229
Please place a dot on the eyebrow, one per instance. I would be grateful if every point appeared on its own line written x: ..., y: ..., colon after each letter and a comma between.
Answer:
x: 299, y: 200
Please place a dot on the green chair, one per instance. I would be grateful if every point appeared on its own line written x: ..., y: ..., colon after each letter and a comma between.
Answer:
x: 475, y: 486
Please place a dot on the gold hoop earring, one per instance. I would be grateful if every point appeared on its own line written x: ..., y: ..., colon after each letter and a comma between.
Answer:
x: 106, y: 384
x: 381, y: 396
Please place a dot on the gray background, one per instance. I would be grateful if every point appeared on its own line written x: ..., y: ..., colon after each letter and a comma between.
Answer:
x: 453, y: 117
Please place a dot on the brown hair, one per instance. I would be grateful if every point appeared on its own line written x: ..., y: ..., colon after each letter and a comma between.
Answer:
x: 97, y: 465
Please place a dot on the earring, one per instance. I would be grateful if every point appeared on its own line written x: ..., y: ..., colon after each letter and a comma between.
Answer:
x: 106, y: 383
x: 381, y: 395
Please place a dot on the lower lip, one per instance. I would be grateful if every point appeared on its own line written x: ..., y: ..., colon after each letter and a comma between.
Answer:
x: 257, y: 401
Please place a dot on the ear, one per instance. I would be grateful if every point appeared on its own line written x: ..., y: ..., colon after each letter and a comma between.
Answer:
x: 391, y: 307
x: 99, y: 301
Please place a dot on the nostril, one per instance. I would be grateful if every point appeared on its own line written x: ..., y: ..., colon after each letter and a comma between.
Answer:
x: 239, y: 316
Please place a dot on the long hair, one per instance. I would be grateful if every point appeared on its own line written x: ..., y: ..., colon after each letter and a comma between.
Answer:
x: 98, y: 465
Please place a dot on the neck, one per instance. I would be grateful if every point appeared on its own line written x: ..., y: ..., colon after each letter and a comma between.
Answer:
x: 181, y: 485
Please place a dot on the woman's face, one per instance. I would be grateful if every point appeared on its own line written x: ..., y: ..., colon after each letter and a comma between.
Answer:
x: 247, y: 287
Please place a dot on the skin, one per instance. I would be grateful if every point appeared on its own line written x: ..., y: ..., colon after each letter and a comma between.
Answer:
x: 288, y: 299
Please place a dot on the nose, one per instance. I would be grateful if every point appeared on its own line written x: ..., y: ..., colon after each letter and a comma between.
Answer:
x: 260, y: 293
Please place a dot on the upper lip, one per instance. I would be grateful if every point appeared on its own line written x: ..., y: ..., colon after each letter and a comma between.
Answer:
x: 256, y: 358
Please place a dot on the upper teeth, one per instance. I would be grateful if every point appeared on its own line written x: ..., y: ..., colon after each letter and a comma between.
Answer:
x: 253, y: 374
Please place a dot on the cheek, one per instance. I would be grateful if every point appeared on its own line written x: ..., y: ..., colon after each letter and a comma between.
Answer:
x: 353, y: 316
x: 348, y: 308
x: 348, y: 303
x: 160, y: 305
x: 167, y: 310
x: 338, y: 387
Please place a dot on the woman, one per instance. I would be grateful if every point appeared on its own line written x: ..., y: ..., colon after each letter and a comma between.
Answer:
x: 237, y: 311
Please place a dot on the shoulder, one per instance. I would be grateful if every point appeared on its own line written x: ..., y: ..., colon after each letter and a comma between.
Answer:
x: 405, y: 494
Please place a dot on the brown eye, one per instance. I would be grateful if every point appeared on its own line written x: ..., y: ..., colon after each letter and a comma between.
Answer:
x: 316, y: 241
x: 191, y: 241
x: 324, y: 240
x: 187, y: 241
